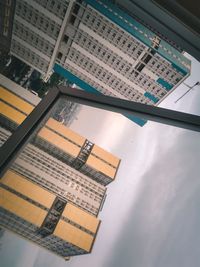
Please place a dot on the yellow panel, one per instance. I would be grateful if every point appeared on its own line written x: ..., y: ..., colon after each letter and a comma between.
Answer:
x: 103, y: 154
x: 27, y: 188
x: 66, y: 132
x: 15, y: 101
x: 81, y: 217
x: 101, y: 166
x: 11, y: 113
x: 73, y: 235
x: 21, y: 207
x: 59, y: 142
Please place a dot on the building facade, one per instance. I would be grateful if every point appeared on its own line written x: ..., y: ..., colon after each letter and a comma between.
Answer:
x: 37, y: 29
x: 43, y: 218
x: 178, y: 20
x: 99, y: 47
x: 105, y: 49
x: 7, y: 8
x: 47, y: 195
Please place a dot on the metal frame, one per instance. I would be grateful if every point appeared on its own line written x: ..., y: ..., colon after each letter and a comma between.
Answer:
x: 20, y: 137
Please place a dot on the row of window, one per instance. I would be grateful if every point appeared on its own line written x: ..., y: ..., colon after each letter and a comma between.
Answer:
x: 32, y: 38
x: 29, y: 231
x: 50, y: 149
x: 160, y: 66
x: 48, y: 169
x: 29, y: 56
x: 62, y: 170
x: 57, y: 7
x: 37, y: 19
x: 108, y: 30
x: 4, y: 135
x: 55, y: 188
x: 100, y: 73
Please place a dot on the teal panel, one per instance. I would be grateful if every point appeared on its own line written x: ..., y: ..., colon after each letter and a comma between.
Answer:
x: 179, y: 69
x: 151, y: 97
x: 74, y: 79
x: 165, y: 84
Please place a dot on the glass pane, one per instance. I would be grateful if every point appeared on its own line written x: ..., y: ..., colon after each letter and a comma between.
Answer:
x: 53, y: 191
x: 139, y: 181
x: 121, y: 190
x: 16, y: 103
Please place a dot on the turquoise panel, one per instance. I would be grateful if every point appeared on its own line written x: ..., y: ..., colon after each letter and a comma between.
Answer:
x: 151, y: 97
x: 140, y: 122
x: 74, y: 79
x: 179, y: 69
x: 165, y: 84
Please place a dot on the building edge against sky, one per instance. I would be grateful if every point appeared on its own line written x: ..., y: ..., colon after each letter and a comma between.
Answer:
x: 63, y: 222
x: 177, y: 20
x: 96, y: 41
x: 99, y: 47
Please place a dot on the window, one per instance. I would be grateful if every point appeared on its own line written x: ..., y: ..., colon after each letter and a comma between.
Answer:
x: 65, y: 38
x: 60, y: 55
x: 72, y: 19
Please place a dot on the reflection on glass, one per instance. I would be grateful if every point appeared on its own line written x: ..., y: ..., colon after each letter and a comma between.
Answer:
x: 16, y: 104
x: 55, y: 188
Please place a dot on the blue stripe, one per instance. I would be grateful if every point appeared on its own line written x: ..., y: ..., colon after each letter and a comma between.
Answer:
x: 114, y: 15
x: 74, y: 79
x: 116, y: 18
x: 138, y: 121
x: 165, y: 84
x: 151, y: 97
x: 179, y: 69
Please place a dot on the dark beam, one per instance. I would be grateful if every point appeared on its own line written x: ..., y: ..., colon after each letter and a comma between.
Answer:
x: 143, y: 111
x: 20, y: 137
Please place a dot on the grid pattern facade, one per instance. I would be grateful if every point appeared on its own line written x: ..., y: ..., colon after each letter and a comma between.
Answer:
x: 47, y: 141
x: 137, y: 66
x: 59, y: 178
x: 4, y: 135
x: 36, y: 28
x: 6, y: 18
x: 42, y: 198
x: 37, y: 212
x: 126, y: 10
x: 29, y: 231
x: 67, y: 158
x: 99, y: 44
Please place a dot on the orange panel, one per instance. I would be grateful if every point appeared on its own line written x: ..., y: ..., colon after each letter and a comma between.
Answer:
x: 101, y: 166
x: 11, y: 113
x: 81, y: 217
x: 101, y: 153
x: 65, y: 131
x: 21, y: 207
x: 73, y: 235
x: 16, y: 101
x: 27, y: 188
x: 59, y: 142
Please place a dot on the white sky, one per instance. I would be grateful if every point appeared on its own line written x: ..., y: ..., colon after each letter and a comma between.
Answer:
x: 151, y: 215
